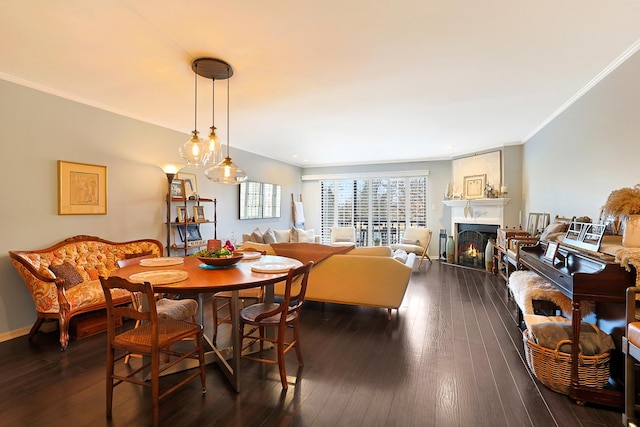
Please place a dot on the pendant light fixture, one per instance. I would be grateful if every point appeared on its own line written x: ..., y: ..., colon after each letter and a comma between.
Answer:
x: 226, y: 172
x: 215, y: 150
x: 195, y: 150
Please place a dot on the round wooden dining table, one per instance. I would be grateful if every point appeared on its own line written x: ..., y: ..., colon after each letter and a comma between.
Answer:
x: 192, y: 277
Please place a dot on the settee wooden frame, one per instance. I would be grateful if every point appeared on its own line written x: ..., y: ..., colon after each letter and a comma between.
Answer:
x: 20, y: 261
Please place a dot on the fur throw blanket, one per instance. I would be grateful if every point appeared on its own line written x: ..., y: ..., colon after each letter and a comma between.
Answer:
x: 527, y: 286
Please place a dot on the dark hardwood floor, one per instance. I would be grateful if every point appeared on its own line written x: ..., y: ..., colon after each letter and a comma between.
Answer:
x: 452, y: 357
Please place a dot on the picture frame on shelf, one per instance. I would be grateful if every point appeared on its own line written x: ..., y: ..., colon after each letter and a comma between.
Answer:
x: 198, y: 214
x: 551, y: 252
x: 190, y: 184
x: 535, y: 219
x: 177, y: 189
x: 182, y: 214
x: 474, y: 186
x: 82, y: 189
x: 193, y: 233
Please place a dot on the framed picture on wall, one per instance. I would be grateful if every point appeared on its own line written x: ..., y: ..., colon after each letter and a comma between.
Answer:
x: 190, y: 184
x: 82, y: 189
x: 474, y: 186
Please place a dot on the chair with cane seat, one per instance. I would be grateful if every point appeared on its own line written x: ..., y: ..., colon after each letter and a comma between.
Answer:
x: 281, y: 316
x: 222, y: 300
x: 185, y: 309
x: 153, y: 336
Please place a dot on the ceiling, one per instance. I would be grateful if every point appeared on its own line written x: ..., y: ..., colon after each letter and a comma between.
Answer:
x: 329, y: 82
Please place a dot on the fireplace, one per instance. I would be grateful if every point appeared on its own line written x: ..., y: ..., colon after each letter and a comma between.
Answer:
x: 471, y: 241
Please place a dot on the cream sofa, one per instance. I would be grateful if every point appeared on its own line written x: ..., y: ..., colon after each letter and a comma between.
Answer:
x: 289, y: 235
x: 367, y: 276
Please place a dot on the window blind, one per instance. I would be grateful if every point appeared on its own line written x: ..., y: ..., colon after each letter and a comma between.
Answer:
x: 378, y: 208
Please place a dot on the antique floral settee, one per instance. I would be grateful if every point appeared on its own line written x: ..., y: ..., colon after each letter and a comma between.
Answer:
x: 63, y: 280
x: 367, y: 276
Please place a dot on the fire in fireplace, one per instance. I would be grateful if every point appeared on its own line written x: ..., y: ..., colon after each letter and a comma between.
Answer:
x: 472, y: 241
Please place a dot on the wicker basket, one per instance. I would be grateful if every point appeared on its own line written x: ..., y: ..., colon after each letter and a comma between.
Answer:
x: 553, y: 367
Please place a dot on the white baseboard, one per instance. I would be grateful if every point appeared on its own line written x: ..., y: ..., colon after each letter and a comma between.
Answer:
x: 6, y: 336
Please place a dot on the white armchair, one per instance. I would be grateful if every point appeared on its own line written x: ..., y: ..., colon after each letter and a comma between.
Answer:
x: 415, y: 240
x: 343, y: 236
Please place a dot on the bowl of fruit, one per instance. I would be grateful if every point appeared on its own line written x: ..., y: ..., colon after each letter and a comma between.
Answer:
x: 223, y: 257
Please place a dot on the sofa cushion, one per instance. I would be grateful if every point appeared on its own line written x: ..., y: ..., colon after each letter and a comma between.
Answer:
x: 67, y: 272
x: 343, y: 234
x: 269, y: 236
x: 302, y: 236
x: 91, y: 293
x: 400, y: 255
x: 256, y: 236
x: 282, y: 236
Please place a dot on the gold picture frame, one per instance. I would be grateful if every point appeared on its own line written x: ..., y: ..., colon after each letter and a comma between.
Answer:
x: 182, y: 215
x: 474, y: 186
x: 198, y: 214
x: 82, y: 189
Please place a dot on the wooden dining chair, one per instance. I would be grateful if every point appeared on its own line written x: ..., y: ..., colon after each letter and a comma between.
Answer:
x: 222, y: 300
x: 281, y: 316
x: 185, y: 309
x: 153, y: 336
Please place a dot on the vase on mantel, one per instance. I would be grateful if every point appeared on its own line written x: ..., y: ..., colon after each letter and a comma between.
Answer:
x: 631, y: 234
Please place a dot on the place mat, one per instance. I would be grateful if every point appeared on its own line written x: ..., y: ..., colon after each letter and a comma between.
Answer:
x: 251, y: 255
x: 273, y: 267
x: 160, y: 277
x: 161, y: 261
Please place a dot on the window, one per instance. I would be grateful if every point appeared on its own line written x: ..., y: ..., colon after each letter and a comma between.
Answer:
x: 378, y: 208
x: 259, y: 200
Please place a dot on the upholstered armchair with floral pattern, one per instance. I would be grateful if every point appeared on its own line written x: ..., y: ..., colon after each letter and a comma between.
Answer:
x: 63, y: 280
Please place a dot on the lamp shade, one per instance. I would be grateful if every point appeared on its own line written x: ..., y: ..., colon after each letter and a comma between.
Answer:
x: 195, y: 151
x: 226, y: 172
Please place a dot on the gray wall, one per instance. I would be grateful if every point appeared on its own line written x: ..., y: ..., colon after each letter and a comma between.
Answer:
x: 37, y: 130
x: 592, y: 148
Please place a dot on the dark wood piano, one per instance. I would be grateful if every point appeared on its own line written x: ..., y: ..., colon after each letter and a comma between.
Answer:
x: 582, y: 276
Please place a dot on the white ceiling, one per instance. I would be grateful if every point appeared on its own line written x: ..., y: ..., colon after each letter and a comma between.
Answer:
x: 326, y: 82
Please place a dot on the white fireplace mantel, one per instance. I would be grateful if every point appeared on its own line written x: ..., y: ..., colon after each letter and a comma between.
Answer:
x: 483, y: 211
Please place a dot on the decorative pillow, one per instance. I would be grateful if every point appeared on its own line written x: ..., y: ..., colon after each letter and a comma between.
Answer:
x: 400, y: 255
x: 410, y: 242
x: 269, y: 236
x: 348, y: 233
x: 282, y: 236
x: 138, y: 255
x: 300, y: 235
x: 256, y: 236
x: 67, y: 272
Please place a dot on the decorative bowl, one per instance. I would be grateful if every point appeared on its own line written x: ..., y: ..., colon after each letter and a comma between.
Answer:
x: 221, y: 261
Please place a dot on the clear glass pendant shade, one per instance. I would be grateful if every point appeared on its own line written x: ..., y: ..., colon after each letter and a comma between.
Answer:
x: 214, y: 147
x: 226, y: 172
x: 195, y: 151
